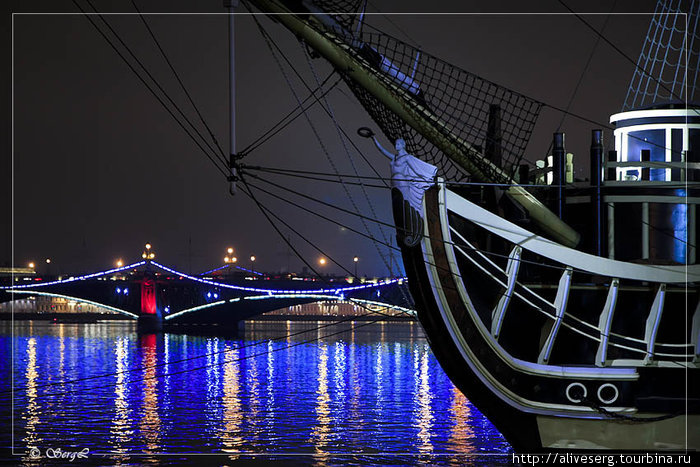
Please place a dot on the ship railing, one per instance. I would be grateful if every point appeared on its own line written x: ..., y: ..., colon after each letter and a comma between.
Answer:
x: 572, y: 263
x: 640, y: 171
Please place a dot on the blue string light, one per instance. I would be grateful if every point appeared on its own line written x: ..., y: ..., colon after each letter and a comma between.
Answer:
x: 277, y: 291
x: 250, y: 271
x: 330, y: 298
x: 213, y: 270
x: 79, y: 278
x: 228, y: 266
x: 209, y: 282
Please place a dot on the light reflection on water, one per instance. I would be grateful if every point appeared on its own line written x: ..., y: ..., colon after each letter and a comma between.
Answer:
x: 373, y: 389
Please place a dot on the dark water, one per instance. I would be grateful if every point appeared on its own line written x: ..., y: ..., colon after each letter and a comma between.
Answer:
x: 373, y: 393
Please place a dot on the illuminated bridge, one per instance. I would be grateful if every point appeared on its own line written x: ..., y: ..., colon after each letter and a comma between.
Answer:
x: 153, y: 294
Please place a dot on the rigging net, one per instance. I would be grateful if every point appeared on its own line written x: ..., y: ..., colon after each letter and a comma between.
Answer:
x: 490, y: 118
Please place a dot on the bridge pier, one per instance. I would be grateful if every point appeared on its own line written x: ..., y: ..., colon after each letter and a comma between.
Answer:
x: 149, y: 323
x: 150, y: 318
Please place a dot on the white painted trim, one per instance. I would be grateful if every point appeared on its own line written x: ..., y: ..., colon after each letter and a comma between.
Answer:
x: 692, y: 233
x: 653, y: 321
x: 568, y: 256
x: 515, y: 363
x: 605, y: 323
x: 500, y: 310
x: 543, y: 300
x: 651, y: 199
x: 474, y: 363
x: 695, y: 333
x: 632, y: 363
x: 645, y: 230
x: 651, y: 184
x: 560, y: 302
x: 504, y: 284
x: 610, y: 207
x: 668, y: 155
x: 654, y: 113
x: 656, y: 164
x: 622, y: 136
x: 538, y: 308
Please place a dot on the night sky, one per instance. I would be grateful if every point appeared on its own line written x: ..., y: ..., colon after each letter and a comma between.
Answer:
x: 100, y: 167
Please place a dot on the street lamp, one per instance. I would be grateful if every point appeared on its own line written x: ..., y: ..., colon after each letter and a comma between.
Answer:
x: 48, y: 260
x: 229, y: 258
x: 322, y: 261
x: 31, y: 264
x: 252, y: 263
x: 120, y: 263
x: 355, y: 260
x: 148, y: 254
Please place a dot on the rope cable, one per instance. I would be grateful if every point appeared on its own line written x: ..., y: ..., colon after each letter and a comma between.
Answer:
x: 282, y: 123
x: 483, y: 253
x: 621, y: 52
x: 269, y: 41
x: 392, y: 259
x: 148, y: 73
x: 179, y: 80
x: 153, y: 92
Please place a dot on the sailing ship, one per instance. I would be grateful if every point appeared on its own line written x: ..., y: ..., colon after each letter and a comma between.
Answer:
x: 567, y: 312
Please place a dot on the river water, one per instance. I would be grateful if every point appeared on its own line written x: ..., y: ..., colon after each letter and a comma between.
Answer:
x: 292, y: 392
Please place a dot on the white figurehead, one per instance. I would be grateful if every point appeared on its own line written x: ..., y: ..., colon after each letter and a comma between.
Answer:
x: 401, y: 147
x: 409, y: 174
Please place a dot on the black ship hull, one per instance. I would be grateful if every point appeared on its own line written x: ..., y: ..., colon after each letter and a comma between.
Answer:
x: 545, y: 389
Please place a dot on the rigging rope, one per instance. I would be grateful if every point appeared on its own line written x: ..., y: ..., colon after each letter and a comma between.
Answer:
x: 378, y: 221
x: 583, y: 72
x: 483, y: 253
x: 671, y: 94
x: 153, y: 91
x: 283, y: 122
x: 309, y: 176
x: 179, y: 80
x: 221, y: 157
x: 281, y: 53
x: 288, y: 242
x: 269, y: 41
x: 392, y: 259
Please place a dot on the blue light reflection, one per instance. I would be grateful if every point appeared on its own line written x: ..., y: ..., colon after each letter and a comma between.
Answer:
x: 371, y: 389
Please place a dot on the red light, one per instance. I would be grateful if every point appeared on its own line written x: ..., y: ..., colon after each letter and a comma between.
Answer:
x: 148, y: 297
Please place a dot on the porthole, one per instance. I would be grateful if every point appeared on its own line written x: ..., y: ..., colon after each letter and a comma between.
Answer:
x: 576, y: 392
x: 607, y: 393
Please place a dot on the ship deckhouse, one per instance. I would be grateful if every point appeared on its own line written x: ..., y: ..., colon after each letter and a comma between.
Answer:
x: 656, y: 156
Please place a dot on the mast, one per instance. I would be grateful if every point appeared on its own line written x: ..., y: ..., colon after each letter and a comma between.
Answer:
x: 397, y: 98
x: 231, y: 5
